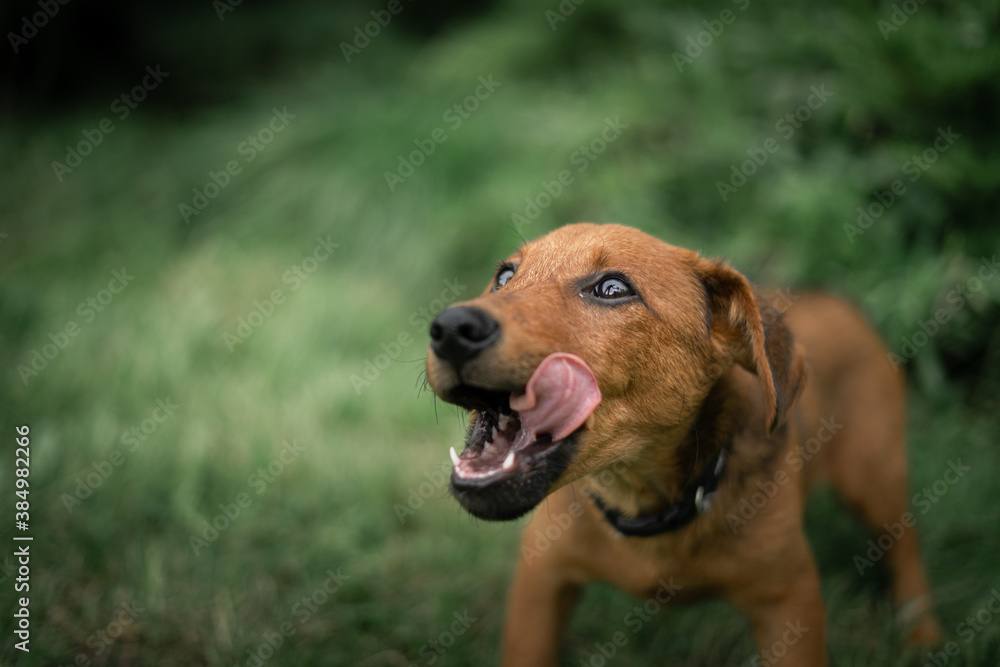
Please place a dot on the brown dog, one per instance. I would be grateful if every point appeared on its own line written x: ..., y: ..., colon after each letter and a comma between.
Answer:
x: 649, y: 391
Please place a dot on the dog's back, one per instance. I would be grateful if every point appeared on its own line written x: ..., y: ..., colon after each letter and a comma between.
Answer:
x: 852, y: 421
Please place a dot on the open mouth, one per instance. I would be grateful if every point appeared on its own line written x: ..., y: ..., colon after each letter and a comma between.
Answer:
x: 514, y: 449
x: 498, y: 446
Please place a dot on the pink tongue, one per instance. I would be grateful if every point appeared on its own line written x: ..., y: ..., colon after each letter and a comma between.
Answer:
x: 560, y: 395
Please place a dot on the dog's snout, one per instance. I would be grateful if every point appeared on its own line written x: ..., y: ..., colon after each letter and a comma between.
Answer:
x: 459, y: 334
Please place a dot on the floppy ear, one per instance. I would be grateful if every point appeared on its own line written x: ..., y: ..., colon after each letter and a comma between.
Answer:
x: 752, y: 333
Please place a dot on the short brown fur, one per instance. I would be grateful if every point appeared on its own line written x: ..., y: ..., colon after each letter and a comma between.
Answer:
x: 703, y: 362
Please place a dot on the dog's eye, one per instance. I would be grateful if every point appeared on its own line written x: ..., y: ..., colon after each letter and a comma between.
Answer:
x: 505, y: 274
x: 612, y: 288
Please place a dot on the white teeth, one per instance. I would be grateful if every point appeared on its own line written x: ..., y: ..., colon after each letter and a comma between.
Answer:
x: 454, y: 456
x: 503, y: 421
x: 508, y: 463
x: 493, y: 435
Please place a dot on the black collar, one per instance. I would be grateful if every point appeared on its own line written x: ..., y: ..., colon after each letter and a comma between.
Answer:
x: 695, y: 501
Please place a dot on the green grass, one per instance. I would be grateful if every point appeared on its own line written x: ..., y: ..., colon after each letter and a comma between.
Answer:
x: 368, y: 451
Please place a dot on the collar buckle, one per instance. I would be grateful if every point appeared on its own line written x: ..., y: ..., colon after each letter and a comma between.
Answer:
x: 702, y: 500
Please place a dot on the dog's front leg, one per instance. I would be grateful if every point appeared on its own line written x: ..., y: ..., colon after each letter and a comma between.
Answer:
x: 789, y: 624
x: 537, y: 610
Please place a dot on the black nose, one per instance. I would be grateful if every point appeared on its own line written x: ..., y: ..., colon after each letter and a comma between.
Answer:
x: 458, y: 334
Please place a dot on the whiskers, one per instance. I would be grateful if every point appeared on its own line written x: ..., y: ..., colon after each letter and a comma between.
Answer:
x: 423, y: 384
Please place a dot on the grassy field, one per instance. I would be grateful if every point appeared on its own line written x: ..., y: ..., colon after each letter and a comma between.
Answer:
x: 256, y: 365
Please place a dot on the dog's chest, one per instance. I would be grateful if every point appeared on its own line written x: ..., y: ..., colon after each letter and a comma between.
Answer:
x: 673, y: 567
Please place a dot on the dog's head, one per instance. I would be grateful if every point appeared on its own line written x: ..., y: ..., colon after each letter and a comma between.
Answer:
x: 591, y: 344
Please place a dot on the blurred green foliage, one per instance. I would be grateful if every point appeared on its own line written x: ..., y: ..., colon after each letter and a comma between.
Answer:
x: 368, y: 448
